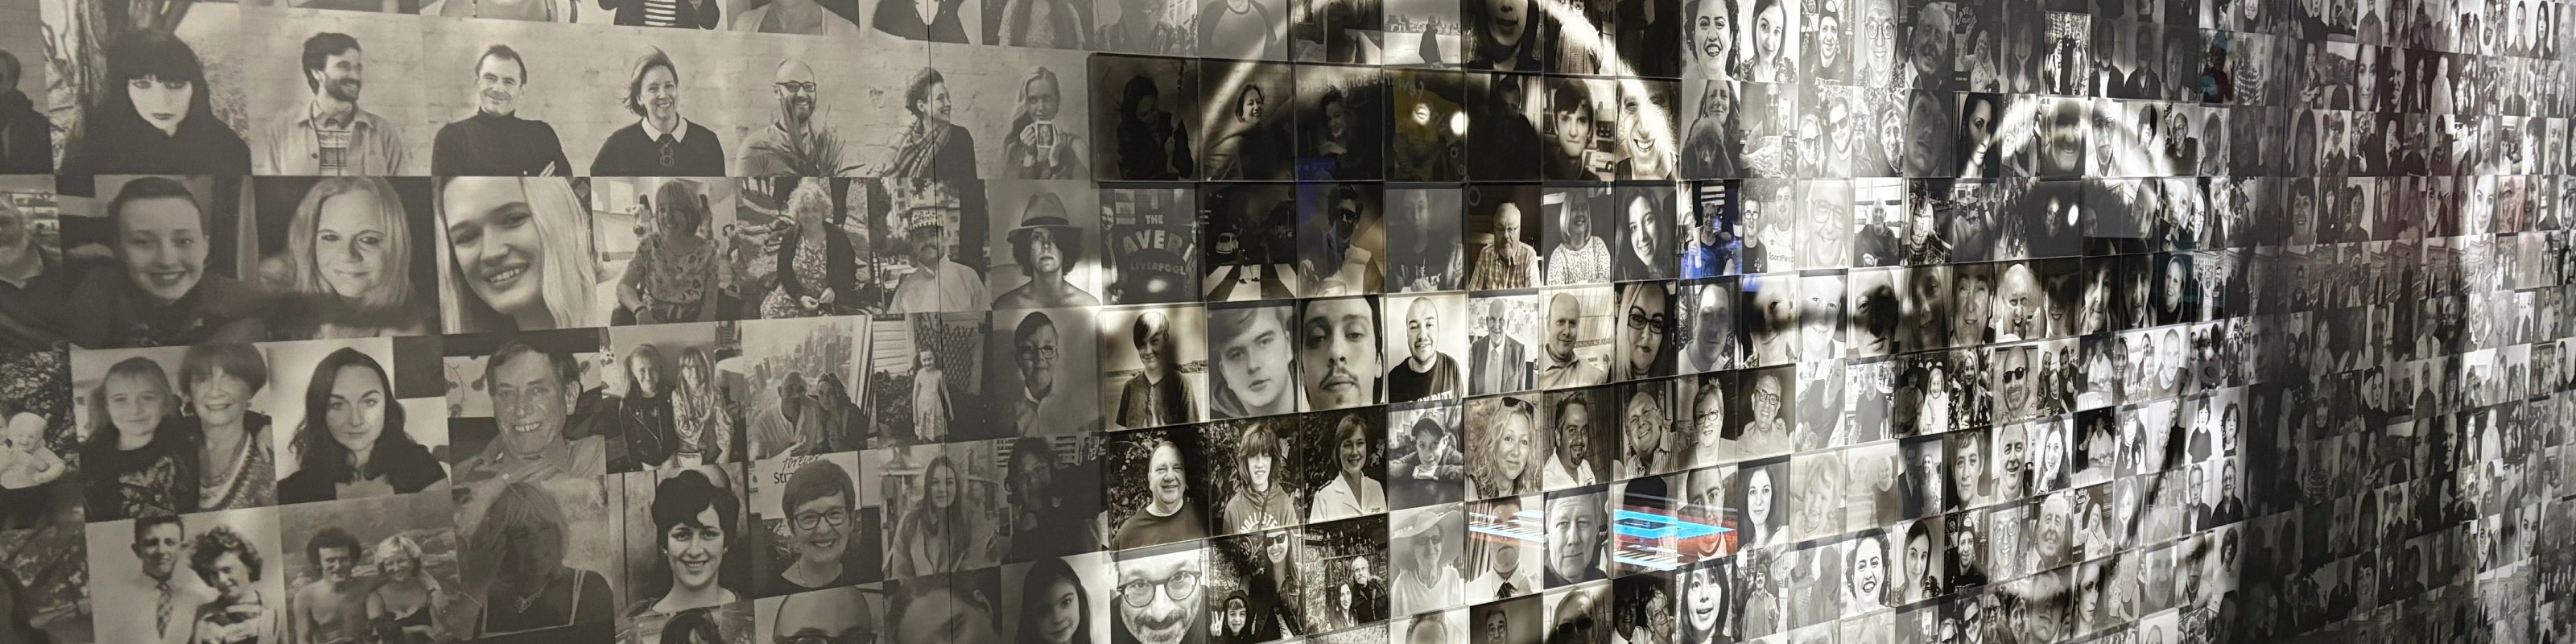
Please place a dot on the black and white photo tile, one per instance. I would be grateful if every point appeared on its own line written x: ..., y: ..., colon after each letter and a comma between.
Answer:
x: 1242, y: 321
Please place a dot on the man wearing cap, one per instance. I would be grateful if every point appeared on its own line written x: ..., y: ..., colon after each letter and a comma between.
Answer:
x: 794, y: 145
x: 1045, y: 245
x: 937, y: 284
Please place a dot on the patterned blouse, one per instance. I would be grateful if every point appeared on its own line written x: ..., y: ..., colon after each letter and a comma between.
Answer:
x: 675, y: 283
x: 810, y: 266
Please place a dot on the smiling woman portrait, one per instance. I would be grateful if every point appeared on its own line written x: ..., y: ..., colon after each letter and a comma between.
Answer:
x: 519, y: 255
x: 347, y: 271
x: 352, y: 443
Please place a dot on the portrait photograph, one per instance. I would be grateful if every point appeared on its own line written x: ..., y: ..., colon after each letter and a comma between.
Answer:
x: 381, y: 568
x: 934, y: 361
x: 1153, y: 366
x: 1425, y: 351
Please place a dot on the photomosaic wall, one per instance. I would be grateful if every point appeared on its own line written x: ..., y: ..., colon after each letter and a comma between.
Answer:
x: 1344, y: 321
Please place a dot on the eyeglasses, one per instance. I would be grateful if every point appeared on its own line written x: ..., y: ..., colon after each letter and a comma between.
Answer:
x: 1179, y: 587
x: 1638, y: 319
x: 802, y: 88
x: 807, y: 520
x: 1037, y: 353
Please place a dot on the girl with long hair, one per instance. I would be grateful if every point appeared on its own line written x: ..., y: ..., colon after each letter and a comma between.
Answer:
x: 139, y: 460
x: 347, y: 268
x: 518, y: 255
x: 699, y: 425
x: 1054, y: 608
x: 352, y: 443
x: 1037, y: 146
x: 936, y: 535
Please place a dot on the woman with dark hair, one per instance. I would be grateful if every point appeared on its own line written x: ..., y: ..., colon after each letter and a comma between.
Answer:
x: 238, y: 470
x: 1259, y: 501
x: 1054, y: 608
x: 347, y: 268
x: 1352, y: 492
x: 936, y: 535
x: 139, y: 460
x: 1504, y: 35
x: 933, y: 146
x: 694, y: 522
x: 838, y: 414
x: 1242, y: 147
x: 817, y: 272
x: 159, y: 118
x: 670, y: 277
x: 352, y: 443
x: 231, y: 566
x: 1153, y: 145
x: 660, y: 143
x: 515, y: 556
x: 156, y: 291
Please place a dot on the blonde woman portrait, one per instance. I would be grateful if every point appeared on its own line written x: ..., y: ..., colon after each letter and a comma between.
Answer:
x: 1503, y: 456
x: 519, y: 255
x: 347, y: 269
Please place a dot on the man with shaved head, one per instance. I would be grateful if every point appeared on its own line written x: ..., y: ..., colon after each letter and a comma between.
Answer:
x: 834, y: 615
x: 1425, y: 371
x: 1564, y: 328
x: 794, y: 144
x: 2019, y: 298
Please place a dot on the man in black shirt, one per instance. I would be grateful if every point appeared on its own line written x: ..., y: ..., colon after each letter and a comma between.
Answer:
x: 495, y: 141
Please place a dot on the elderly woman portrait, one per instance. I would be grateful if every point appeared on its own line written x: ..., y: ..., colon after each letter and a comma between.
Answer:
x: 237, y: 469
x: 660, y: 143
x: 515, y: 557
x: 816, y: 272
x: 672, y: 276
x: 347, y: 270
x: 159, y: 118
x: 403, y: 608
x: 140, y: 460
x: 519, y: 255
x: 932, y: 145
x: 351, y: 443
x: 156, y: 290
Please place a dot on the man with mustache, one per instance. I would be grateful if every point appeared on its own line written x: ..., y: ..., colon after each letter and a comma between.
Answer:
x: 1577, y: 527
x: 1159, y: 598
x: 495, y: 141
x: 1425, y: 371
x: 330, y: 609
x: 332, y: 135
x: 152, y: 606
x: 1156, y: 396
x: 794, y: 144
x: 1565, y: 369
x: 1337, y: 357
x: 1501, y: 363
x: 533, y: 391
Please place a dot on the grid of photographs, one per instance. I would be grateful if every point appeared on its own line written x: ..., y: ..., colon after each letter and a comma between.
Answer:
x: 1255, y: 321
